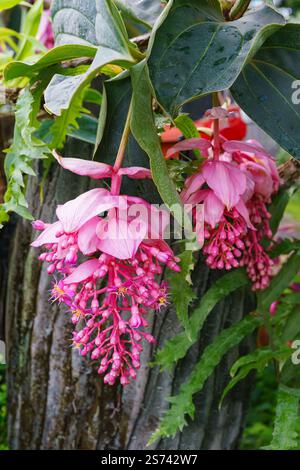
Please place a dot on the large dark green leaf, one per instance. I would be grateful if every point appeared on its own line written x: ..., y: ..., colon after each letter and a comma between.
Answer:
x: 114, y: 109
x: 144, y: 131
x: 145, y: 11
x: 196, y: 52
x: 264, y: 88
x: 74, y: 21
x: 114, y: 48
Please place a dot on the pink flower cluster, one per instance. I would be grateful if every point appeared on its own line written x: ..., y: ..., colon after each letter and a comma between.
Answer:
x: 235, y: 183
x: 108, y: 267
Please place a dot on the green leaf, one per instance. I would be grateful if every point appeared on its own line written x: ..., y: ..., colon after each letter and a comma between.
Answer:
x: 280, y: 282
x: 277, y: 208
x: 117, y: 94
x: 181, y: 289
x: 114, y: 48
x: 67, y: 121
x: 30, y: 29
x: 182, y: 404
x: 143, y: 11
x: 144, y: 131
x: 257, y: 360
x: 286, y: 419
x: 74, y: 22
x: 6, y: 4
x: 24, y: 149
x: 177, y: 347
x: 196, y: 52
x: 188, y: 128
x: 265, y: 90
x: 32, y: 66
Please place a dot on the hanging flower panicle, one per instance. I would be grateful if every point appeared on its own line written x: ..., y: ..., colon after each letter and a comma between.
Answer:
x: 109, y: 295
x: 235, y: 183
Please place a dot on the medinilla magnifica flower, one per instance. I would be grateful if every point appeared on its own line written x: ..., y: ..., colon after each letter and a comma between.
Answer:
x: 235, y: 182
x: 110, y: 292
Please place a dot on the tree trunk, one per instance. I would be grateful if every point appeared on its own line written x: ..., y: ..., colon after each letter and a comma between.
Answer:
x: 56, y: 400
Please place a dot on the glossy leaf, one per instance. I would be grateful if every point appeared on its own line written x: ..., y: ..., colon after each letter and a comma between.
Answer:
x: 114, y: 48
x: 144, y: 131
x: 143, y: 11
x: 265, y: 89
x: 195, y: 52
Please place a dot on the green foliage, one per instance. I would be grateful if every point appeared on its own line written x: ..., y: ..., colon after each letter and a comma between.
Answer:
x: 280, y: 282
x: 182, y: 67
x: 187, y: 126
x: 6, y: 4
x: 258, y: 360
x: 30, y: 68
x: 114, y: 48
x: 177, y: 347
x: 142, y: 118
x: 30, y: 29
x: 182, y: 404
x: 265, y: 87
x: 25, y: 149
x: 286, y: 420
x: 181, y: 288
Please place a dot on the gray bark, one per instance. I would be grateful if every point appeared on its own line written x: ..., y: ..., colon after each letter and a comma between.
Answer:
x: 56, y: 400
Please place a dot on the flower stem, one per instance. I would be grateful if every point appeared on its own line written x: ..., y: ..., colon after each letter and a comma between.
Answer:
x: 216, y: 103
x: 124, y: 142
x: 117, y: 179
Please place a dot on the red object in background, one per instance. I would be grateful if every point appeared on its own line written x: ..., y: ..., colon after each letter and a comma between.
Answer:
x: 232, y: 128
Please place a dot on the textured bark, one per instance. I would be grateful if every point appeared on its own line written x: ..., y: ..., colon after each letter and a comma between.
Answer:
x: 56, y: 400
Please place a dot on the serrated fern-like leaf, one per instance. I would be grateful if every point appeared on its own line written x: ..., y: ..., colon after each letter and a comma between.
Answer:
x: 67, y: 121
x: 24, y: 150
x: 177, y: 347
x: 258, y: 360
x: 181, y: 289
x: 182, y: 404
x: 286, y: 419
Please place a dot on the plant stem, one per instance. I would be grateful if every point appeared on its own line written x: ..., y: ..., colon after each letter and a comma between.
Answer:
x: 123, y: 143
x: 216, y: 103
x: 238, y: 9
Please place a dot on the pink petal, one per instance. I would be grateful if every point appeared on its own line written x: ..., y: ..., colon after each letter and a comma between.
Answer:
x: 119, y: 238
x: 87, y: 237
x: 83, y: 272
x: 189, y: 144
x: 135, y: 172
x: 48, y: 235
x: 213, y: 209
x: 261, y: 178
x: 94, y: 170
x: 192, y: 184
x: 242, y: 209
x: 240, y: 146
x: 75, y: 213
x: 227, y: 181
